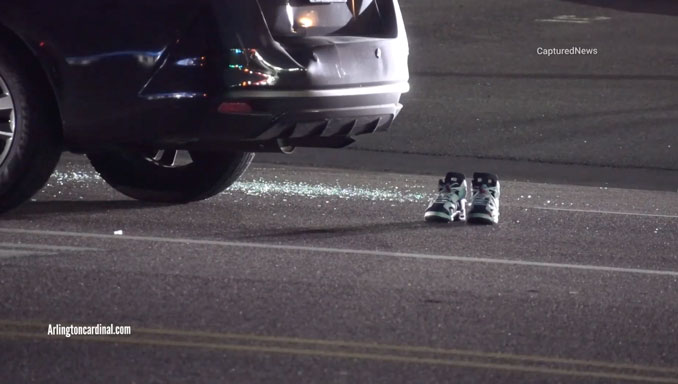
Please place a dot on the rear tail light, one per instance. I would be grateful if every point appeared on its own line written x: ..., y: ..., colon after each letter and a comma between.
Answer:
x: 235, y: 108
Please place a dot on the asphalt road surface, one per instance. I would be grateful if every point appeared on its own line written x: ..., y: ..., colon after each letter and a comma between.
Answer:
x: 311, y: 275
x: 319, y: 268
x: 480, y: 89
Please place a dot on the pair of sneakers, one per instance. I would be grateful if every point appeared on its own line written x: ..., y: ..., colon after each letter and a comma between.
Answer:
x: 450, y: 205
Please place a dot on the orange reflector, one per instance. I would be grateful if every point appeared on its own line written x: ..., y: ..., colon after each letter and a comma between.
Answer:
x: 235, y: 108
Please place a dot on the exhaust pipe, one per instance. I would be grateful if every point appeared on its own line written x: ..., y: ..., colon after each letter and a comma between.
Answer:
x: 285, y: 147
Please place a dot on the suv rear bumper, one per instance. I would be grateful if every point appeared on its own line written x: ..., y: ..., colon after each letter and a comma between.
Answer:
x: 396, y: 88
x: 306, y: 118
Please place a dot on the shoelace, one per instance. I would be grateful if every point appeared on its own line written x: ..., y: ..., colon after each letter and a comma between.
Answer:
x: 483, y: 196
x: 447, y: 194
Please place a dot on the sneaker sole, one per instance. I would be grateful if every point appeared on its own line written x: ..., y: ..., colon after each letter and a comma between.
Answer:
x: 437, y: 217
x: 482, y: 218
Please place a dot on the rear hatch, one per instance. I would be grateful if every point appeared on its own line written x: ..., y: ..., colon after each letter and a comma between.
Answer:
x: 290, y: 19
x: 339, y: 43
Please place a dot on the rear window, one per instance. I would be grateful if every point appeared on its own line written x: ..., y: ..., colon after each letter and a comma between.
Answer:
x: 329, y: 18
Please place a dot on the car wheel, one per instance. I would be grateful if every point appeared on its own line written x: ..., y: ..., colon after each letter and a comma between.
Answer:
x: 170, y: 176
x: 30, y: 138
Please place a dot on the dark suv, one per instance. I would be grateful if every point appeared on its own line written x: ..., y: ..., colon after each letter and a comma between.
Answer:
x: 170, y: 98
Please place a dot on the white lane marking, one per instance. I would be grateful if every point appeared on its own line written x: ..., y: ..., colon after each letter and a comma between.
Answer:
x: 12, y: 250
x: 479, y: 260
x: 572, y: 19
x: 46, y: 247
x: 601, y: 212
x: 11, y: 253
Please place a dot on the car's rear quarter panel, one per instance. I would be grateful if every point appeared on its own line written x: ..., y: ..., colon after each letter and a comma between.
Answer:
x: 99, y: 55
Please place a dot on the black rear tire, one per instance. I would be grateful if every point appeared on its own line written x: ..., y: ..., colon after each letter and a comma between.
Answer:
x: 35, y: 145
x: 136, y: 175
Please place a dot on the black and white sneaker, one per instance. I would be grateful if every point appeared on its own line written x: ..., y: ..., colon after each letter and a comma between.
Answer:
x: 450, y: 205
x: 485, y: 203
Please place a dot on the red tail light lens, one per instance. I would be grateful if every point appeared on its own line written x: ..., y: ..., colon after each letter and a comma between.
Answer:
x: 235, y: 108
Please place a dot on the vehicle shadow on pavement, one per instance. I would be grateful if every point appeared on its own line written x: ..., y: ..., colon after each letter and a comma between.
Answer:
x: 661, y: 7
x: 45, y: 208
x: 333, y: 232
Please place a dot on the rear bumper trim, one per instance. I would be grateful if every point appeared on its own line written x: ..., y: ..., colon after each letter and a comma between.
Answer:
x: 403, y: 87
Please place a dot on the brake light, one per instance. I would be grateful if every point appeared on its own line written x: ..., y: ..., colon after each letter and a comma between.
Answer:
x: 235, y: 108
